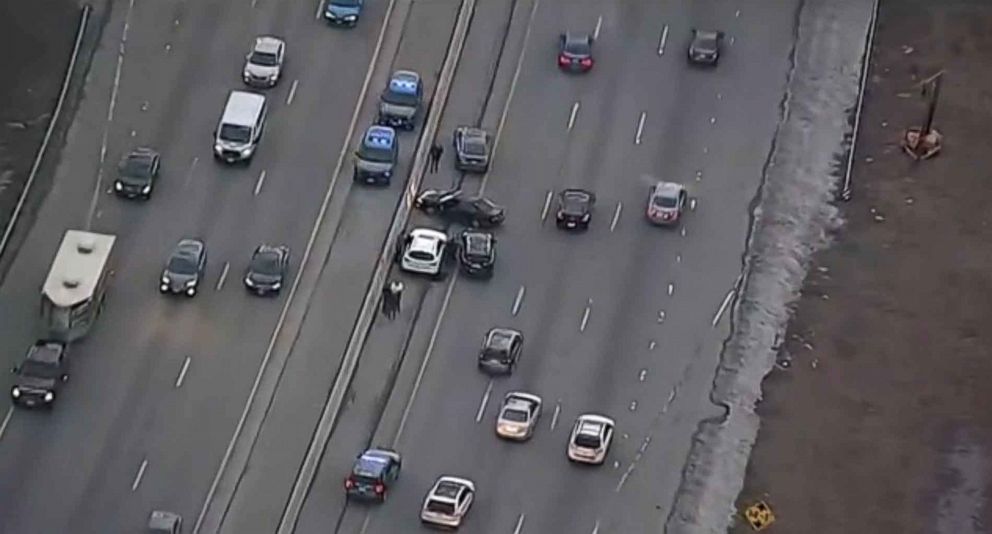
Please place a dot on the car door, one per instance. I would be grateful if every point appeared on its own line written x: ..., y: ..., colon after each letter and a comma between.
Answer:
x: 607, y: 437
x: 515, y: 350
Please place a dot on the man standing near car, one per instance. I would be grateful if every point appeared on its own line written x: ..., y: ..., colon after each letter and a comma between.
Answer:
x: 435, y: 156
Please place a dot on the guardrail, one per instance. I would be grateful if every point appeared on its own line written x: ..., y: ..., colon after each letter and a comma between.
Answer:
x: 845, y: 190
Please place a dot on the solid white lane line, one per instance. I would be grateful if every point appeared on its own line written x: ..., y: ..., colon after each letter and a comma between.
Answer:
x: 320, y: 9
x: 223, y: 275
x: 554, y: 417
x: 292, y: 92
x: 509, y: 95
x: 585, y: 316
x: 427, y: 358
x: 616, y: 216
x: 6, y: 420
x: 141, y: 473
x: 182, y: 372
x: 599, y: 26
x: 517, y: 301
x: 189, y: 173
x: 640, y: 127
x: 547, y: 205
x: 258, y: 184
x: 520, y: 524
x: 571, y: 116
x: 664, y: 39
x: 723, y: 308
x: 365, y: 524
x: 485, y: 401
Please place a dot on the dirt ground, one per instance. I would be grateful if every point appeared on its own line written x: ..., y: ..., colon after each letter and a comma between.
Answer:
x: 38, y: 36
x: 881, y: 423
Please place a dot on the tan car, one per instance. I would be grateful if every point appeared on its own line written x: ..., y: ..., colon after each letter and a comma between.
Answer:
x: 518, y: 416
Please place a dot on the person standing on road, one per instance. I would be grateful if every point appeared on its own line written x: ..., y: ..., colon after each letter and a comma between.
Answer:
x: 388, y: 302
x: 435, y: 156
x: 396, y: 288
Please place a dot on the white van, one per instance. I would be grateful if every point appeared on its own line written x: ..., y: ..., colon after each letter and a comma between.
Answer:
x: 240, y: 127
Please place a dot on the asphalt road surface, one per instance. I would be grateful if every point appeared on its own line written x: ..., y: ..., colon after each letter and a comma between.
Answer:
x: 158, y: 386
x: 622, y: 320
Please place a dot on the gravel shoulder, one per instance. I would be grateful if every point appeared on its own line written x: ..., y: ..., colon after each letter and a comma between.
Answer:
x: 880, y: 421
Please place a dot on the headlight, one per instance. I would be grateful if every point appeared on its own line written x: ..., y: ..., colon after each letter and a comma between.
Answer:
x: 15, y: 392
x: 350, y: 18
x: 49, y: 396
x: 165, y: 279
x: 585, y: 217
x: 277, y: 285
x: 249, y: 282
x: 118, y: 186
x: 147, y: 189
x: 387, y: 174
x: 246, y: 151
x: 191, y: 283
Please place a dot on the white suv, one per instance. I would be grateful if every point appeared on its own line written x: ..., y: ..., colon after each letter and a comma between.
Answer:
x: 423, y: 251
x: 590, y: 439
x: 448, y: 501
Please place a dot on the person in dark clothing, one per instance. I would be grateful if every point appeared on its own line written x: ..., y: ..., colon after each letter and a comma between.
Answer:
x: 388, y: 302
x: 435, y: 156
x: 396, y: 288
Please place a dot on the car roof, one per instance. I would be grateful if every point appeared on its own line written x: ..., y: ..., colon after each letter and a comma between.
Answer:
x: 428, y: 233
x: 591, y: 417
x: 518, y: 404
x: 45, y: 352
x: 371, y: 463
x: 266, y: 248
x: 530, y: 397
x: 142, y: 152
x: 572, y: 38
x: 242, y: 108
x: 706, y: 35
x: 189, y: 245
x: 473, y: 132
x: 405, y: 75
x: 448, y: 487
x: 668, y: 189
x: 503, y: 333
x: 380, y: 137
x: 403, y: 84
x: 475, y: 237
x: 268, y: 44
x: 162, y: 520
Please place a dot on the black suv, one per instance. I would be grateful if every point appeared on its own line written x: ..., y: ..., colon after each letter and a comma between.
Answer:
x: 371, y: 475
x: 476, y: 212
x: 500, y: 351
x: 136, y: 173
x: 267, y: 269
x: 574, y: 209
x: 477, y: 253
x: 184, y: 268
x: 38, y: 378
x: 704, y: 49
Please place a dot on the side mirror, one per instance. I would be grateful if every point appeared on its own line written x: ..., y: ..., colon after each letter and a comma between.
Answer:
x: 215, y: 133
x: 65, y: 378
x: 15, y: 369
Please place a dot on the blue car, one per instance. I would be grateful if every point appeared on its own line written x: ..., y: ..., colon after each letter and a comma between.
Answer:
x: 343, y: 12
x: 376, y: 156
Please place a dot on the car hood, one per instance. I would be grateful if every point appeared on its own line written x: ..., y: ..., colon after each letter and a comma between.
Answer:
x: 397, y: 110
x: 342, y: 11
x: 373, y: 166
x: 35, y: 382
x: 134, y: 181
x: 264, y: 279
x: 261, y: 71
x: 178, y: 280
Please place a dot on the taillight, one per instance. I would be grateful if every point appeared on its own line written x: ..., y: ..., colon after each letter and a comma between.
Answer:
x: 587, y: 62
x: 349, y: 483
x: 563, y: 60
x: 379, y: 488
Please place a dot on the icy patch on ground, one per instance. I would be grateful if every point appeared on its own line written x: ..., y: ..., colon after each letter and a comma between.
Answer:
x: 792, y: 218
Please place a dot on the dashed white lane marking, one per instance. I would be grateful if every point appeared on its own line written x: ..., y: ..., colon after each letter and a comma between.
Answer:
x: 320, y: 9
x: 712, y: 120
x: 182, y: 372
x: 6, y: 420
x: 292, y: 92
x: 642, y: 375
x: 599, y: 26
x: 661, y: 315
x: 485, y: 401
x: 258, y: 184
x: 616, y: 216
x: 253, y: 3
x: 682, y: 231
x: 595, y: 529
x: 520, y: 525
x: 692, y: 204
x: 652, y: 345
x: 134, y: 133
x: 571, y: 116
x: 189, y: 172
x: 719, y: 96
x: 737, y: 13
x: 633, y: 405
x: 671, y: 289
x: 141, y: 473
x: 663, y: 40
x: 723, y: 308
x: 223, y: 275
x: 519, y: 300
x: 678, y: 258
x: 640, y: 128
x: 554, y: 416
x: 365, y: 524
x: 585, y: 316
x: 547, y: 205
x: 732, y: 40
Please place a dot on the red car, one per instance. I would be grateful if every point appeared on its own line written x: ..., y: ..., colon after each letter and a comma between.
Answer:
x: 666, y: 202
x: 575, y: 52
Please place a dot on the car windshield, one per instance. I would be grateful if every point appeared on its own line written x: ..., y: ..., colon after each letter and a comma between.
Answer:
x: 517, y: 416
x: 574, y: 203
x: 441, y: 507
x: 233, y: 132
x: 422, y: 255
x: 589, y: 441
x: 477, y: 246
x: 706, y: 42
x: 182, y: 264
x: 665, y: 202
x: 399, y: 99
x: 344, y: 3
x: 39, y: 370
x: 375, y: 154
x: 137, y: 166
x: 475, y: 146
x: 266, y: 263
x: 578, y: 47
x: 265, y: 59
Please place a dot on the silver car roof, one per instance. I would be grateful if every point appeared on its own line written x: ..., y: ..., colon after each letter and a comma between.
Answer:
x: 268, y: 44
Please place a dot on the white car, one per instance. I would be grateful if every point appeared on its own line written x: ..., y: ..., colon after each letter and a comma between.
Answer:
x: 448, y: 502
x: 263, y: 64
x: 423, y: 251
x: 518, y: 416
x: 590, y: 439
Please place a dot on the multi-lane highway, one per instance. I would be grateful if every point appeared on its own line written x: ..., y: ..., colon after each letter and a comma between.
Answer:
x: 622, y: 320
x: 158, y: 387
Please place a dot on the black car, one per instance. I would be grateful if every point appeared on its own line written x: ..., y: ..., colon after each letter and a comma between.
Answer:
x: 477, y: 253
x: 372, y: 474
x: 38, y: 378
x: 476, y: 212
x: 267, y: 269
x: 471, y: 149
x: 704, y: 49
x: 136, y: 173
x: 574, y: 209
x: 500, y: 351
x: 185, y: 268
x: 575, y: 52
